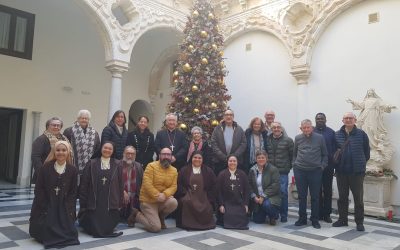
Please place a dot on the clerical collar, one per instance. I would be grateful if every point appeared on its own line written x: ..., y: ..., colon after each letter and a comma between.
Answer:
x: 233, y: 176
x: 196, y: 170
x: 105, y: 163
x: 60, y: 169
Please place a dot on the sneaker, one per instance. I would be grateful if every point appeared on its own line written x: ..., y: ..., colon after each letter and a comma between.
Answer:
x: 360, y: 227
x: 328, y: 219
x: 316, y: 224
x: 340, y: 223
x: 300, y: 222
x: 272, y: 221
x: 283, y: 219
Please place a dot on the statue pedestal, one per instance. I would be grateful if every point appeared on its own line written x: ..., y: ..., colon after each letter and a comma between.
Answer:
x: 376, y: 196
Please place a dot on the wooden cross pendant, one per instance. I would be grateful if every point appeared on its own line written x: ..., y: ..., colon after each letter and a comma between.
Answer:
x: 104, y: 180
x: 232, y: 186
x: 57, y: 189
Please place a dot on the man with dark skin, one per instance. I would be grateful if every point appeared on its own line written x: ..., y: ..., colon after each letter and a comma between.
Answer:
x: 325, y: 197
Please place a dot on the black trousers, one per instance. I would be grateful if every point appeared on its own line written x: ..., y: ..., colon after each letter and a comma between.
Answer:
x: 355, y: 183
x: 325, y: 195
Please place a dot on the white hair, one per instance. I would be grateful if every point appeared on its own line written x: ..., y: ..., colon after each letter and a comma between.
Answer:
x: 83, y: 112
x: 306, y: 121
x: 171, y: 115
x: 196, y: 128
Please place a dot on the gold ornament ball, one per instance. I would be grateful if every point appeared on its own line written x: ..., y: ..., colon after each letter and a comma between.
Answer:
x: 204, y: 61
x: 195, y: 13
x: 203, y: 34
x: 187, y: 67
x: 186, y: 100
x: 210, y: 16
x: 196, y: 110
x: 176, y: 73
x: 183, y: 126
x: 214, y: 46
x: 195, y: 88
x: 214, y: 123
x: 222, y: 64
x: 221, y: 53
x: 191, y: 48
x: 176, y: 81
x: 221, y: 81
x: 214, y: 105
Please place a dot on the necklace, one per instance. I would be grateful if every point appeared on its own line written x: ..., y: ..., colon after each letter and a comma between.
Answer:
x: 137, y: 143
x: 171, y: 141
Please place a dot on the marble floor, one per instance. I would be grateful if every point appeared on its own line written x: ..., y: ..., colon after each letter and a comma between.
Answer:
x: 15, y: 206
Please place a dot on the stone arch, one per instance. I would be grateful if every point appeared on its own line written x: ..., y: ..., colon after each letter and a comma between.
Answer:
x: 326, y: 17
x: 100, y: 21
x: 137, y: 109
x: 237, y: 28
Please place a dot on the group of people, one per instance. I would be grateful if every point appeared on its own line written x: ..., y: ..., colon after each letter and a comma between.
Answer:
x: 237, y: 175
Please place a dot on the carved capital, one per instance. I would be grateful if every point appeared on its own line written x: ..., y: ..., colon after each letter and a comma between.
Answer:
x: 117, y: 68
x: 301, y: 74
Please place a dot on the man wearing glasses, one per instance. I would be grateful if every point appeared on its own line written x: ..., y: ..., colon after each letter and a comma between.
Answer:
x: 350, y: 171
x: 228, y: 138
x: 157, y: 193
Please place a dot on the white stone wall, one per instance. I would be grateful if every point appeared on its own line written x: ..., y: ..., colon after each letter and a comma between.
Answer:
x: 259, y: 79
x: 352, y: 56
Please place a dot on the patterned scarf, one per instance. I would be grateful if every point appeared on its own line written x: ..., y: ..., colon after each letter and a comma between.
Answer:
x: 129, y: 178
x: 253, y: 147
x: 84, y: 144
x: 193, y: 147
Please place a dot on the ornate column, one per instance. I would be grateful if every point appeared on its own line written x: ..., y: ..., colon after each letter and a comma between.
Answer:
x: 302, y: 74
x: 117, y: 68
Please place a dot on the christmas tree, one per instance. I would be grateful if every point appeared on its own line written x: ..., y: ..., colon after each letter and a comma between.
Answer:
x: 200, y: 95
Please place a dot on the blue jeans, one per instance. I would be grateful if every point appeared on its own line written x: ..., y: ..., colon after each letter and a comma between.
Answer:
x: 284, y: 179
x: 266, y: 209
x: 308, y: 180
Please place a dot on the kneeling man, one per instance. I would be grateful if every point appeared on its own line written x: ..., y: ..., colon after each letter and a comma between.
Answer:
x: 156, y: 196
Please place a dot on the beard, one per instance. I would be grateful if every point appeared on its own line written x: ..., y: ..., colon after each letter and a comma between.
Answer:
x: 129, y: 162
x: 165, y: 163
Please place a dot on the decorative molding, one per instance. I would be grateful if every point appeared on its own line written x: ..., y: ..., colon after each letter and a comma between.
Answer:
x: 117, y: 67
x: 301, y: 73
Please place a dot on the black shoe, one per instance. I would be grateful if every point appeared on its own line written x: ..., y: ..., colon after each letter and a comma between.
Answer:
x: 328, y: 219
x: 300, y: 222
x: 272, y: 221
x: 360, y: 227
x: 283, y: 219
x: 340, y: 223
x: 316, y: 224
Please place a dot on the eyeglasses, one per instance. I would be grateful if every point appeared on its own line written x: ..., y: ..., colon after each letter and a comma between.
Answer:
x: 348, y: 118
x: 55, y: 125
x: 165, y: 154
x: 228, y: 114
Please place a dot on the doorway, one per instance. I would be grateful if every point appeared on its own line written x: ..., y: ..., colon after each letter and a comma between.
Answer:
x: 139, y: 108
x: 10, y: 139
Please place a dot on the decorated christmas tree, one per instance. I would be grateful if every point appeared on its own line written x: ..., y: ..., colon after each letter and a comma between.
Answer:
x: 200, y: 95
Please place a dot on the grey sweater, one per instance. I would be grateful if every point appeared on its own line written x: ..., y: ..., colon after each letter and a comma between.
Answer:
x: 310, y: 152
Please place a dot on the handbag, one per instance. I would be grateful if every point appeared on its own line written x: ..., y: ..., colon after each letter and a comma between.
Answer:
x: 337, y: 156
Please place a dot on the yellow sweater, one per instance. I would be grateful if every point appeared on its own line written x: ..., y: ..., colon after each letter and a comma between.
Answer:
x: 157, y: 179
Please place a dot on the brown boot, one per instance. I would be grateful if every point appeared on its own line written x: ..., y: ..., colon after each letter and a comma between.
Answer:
x: 162, y: 220
x: 132, y: 217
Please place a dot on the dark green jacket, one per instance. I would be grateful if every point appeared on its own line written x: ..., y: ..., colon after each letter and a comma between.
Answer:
x: 270, y: 184
x: 280, y: 153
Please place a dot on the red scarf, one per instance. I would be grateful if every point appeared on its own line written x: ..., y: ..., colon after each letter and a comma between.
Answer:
x: 192, y: 148
x: 125, y: 177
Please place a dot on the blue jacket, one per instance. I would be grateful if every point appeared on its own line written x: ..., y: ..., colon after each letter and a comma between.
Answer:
x: 330, y: 141
x: 356, y: 154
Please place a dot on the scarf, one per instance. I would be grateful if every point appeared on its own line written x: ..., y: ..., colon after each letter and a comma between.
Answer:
x: 193, y: 147
x: 129, y: 178
x: 84, y: 144
x: 253, y: 148
x: 55, y: 138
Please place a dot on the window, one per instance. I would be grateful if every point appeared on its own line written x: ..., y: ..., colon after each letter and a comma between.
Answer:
x: 16, y: 32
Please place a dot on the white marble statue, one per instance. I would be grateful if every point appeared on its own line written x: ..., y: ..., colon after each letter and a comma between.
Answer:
x: 371, y: 121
